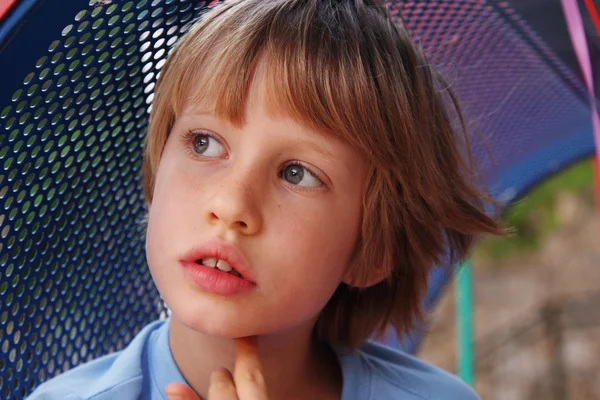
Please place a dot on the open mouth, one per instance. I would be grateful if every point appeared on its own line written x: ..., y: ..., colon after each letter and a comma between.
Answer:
x: 221, y: 265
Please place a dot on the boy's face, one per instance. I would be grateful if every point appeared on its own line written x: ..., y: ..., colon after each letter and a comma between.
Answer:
x: 296, y: 224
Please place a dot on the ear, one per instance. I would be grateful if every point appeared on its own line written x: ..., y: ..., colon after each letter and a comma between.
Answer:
x: 373, y: 277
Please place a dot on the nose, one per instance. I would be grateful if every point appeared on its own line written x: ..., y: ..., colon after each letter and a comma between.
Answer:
x: 234, y: 204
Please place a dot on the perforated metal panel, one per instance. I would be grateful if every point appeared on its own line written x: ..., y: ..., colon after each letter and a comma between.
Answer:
x: 77, y: 81
x: 73, y: 278
x: 524, y: 107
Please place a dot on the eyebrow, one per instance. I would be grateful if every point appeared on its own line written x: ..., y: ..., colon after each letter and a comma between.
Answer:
x: 199, y: 112
x: 209, y: 112
x: 321, y: 150
x: 314, y: 145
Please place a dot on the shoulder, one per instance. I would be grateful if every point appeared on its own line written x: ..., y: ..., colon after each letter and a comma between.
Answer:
x: 395, y: 374
x: 101, y: 379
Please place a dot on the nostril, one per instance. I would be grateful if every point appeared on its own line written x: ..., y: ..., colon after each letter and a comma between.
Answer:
x: 227, y: 221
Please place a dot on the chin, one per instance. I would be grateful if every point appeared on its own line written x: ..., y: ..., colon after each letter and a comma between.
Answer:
x: 215, y: 321
x: 222, y: 330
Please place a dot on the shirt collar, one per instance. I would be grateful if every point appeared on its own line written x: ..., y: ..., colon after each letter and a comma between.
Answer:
x: 163, y: 369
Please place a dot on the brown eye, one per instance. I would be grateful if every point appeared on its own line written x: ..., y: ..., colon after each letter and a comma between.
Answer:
x: 200, y: 144
x: 208, y: 146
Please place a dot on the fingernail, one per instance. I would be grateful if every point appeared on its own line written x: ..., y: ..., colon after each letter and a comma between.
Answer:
x: 174, y: 395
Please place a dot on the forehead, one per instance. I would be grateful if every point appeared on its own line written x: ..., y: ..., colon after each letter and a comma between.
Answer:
x: 261, y: 110
x: 261, y: 96
x: 319, y: 91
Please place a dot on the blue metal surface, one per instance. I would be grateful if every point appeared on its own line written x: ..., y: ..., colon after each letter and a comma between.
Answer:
x: 25, y: 35
x: 73, y: 112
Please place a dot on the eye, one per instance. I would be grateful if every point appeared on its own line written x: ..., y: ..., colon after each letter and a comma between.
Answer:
x: 298, y: 175
x: 207, y: 146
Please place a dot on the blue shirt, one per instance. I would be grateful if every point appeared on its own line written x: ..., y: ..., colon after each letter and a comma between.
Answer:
x: 146, y: 366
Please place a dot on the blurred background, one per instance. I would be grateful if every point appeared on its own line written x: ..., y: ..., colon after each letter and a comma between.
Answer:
x: 536, y: 299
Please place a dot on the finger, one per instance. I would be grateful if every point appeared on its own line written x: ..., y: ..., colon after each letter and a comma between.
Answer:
x: 248, y: 373
x: 222, y: 386
x: 179, y: 391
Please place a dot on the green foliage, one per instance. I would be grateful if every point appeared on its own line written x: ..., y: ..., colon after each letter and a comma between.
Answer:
x: 534, y: 217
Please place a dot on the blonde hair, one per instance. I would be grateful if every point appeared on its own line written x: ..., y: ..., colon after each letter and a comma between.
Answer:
x: 344, y: 68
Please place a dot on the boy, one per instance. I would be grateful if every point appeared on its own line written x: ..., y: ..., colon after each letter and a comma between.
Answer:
x: 303, y: 177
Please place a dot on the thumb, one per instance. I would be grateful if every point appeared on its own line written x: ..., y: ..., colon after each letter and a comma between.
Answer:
x: 179, y: 391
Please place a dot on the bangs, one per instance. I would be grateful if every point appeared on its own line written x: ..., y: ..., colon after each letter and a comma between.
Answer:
x: 308, y: 60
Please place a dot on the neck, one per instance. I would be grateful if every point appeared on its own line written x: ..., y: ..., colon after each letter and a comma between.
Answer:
x: 295, y: 365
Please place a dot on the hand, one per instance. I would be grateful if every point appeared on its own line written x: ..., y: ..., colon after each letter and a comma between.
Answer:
x: 246, y: 383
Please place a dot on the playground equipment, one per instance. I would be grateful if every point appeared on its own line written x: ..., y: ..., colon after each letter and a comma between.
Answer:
x: 77, y: 81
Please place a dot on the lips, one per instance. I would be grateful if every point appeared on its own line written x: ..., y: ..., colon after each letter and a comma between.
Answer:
x: 221, y: 256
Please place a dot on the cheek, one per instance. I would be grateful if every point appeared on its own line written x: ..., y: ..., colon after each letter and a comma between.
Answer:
x: 312, y: 252
x: 173, y: 206
x: 331, y: 232
x: 176, y: 193
x: 160, y: 215
x: 319, y: 244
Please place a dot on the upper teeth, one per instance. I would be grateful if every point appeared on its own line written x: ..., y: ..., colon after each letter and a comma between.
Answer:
x: 223, y: 266
x: 209, y: 262
x: 220, y: 264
